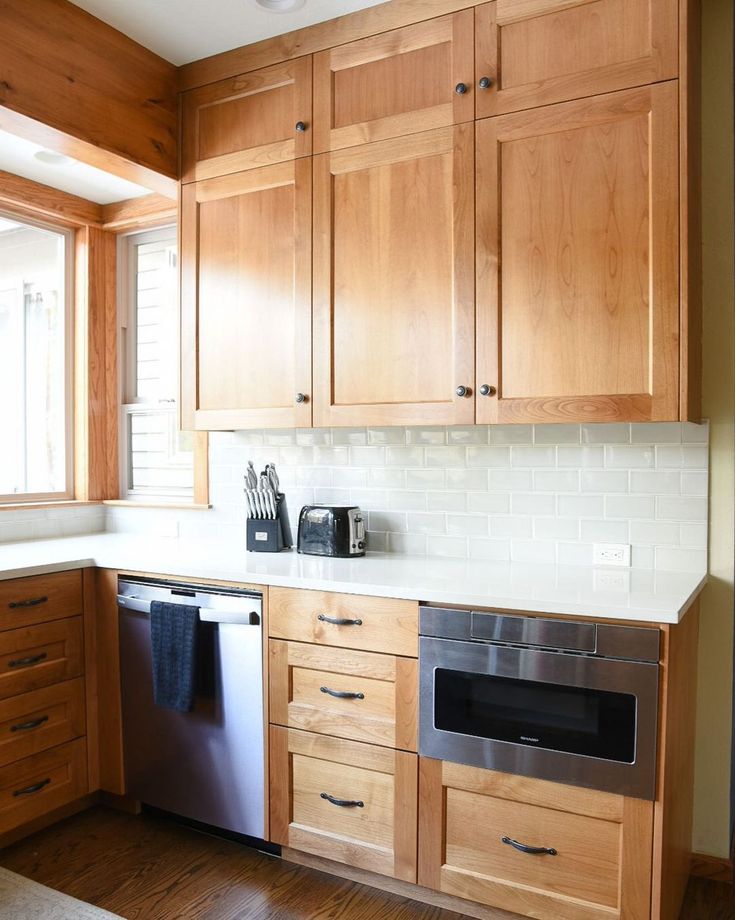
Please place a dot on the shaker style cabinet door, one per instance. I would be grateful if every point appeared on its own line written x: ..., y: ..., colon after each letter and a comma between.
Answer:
x: 400, y: 82
x: 246, y: 299
x: 533, y: 52
x: 393, y: 282
x: 578, y: 261
x: 256, y: 119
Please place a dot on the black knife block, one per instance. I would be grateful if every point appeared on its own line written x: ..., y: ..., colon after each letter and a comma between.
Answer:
x: 270, y: 536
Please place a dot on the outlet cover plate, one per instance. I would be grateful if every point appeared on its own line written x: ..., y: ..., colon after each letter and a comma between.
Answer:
x: 611, y: 554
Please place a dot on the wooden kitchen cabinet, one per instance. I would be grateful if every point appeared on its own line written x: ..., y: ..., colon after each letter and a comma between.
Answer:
x: 601, y: 866
x: 578, y: 260
x: 393, y: 281
x: 399, y: 82
x: 246, y: 299
x: 541, y: 51
x: 256, y: 119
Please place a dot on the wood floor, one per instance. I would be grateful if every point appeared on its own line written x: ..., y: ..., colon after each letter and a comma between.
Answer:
x: 149, y: 868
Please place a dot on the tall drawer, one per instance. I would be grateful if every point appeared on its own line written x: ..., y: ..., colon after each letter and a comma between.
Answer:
x: 24, y: 601
x: 39, y: 784
x: 37, y: 656
x: 350, y: 802
x: 357, y: 695
x: 41, y: 719
x: 372, y: 624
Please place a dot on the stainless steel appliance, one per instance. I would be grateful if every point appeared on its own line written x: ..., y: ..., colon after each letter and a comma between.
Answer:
x: 207, y: 764
x: 574, y: 702
x: 331, y: 530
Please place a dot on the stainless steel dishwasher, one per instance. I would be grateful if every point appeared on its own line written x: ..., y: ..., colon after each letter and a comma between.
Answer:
x: 207, y: 764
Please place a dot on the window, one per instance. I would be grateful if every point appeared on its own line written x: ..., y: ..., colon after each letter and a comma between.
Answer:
x: 157, y: 461
x: 35, y: 361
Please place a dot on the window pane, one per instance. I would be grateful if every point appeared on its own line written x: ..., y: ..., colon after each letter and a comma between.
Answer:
x: 33, y: 359
x: 160, y: 456
x: 156, y: 370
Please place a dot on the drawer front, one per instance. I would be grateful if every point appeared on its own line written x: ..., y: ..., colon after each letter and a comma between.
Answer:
x: 41, y: 719
x: 39, y: 784
x: 375, y: 624
x: 350, y: 802
x: 25, y: 601
x: 37, y: 656
x: 355, y: 695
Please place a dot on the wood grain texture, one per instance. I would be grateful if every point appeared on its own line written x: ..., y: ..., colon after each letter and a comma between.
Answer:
x: 111, y: 769
x: 388, y: 625
x: 539, y: 52
x: 61, y: 645
x: 393, y: 285
x: 56, y: 596
x: 247, y: 121
x: 59, y: 709
x: 91, y: 679
x: 95, y: 86
x: 23, y: 196
x: 139, y: 213
x: 579, y: 320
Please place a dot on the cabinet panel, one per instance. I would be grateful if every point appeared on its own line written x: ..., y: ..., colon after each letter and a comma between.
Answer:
x: 350, y: 802
x: 36, y: 656
x: 577, y: 260
x: 246, y: 299
x: 395, y: 83
x: 247, y: 121
x: 39, y: 598
x: 393, y: 285
x: 33, y: 722
x: 540, y: 51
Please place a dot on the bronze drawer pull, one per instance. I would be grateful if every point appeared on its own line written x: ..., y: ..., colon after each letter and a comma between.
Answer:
x: 27, y: 662
x: 524, y: 848
x: 338, y: 621
x: 343, y: 694
x: 342, y: 803
x: 26, y: 726
x: 33, y: 602
x: 29, y: 790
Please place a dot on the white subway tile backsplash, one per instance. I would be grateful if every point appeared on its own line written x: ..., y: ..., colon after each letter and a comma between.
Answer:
x: 606, y: 433
x: 656, y: 433
x: 680, y: 559
x: 407, y: 501
x: 449, y: 501
x: 556, y: 480
x: 467, y: 479
x: 574, y: 553
x: 688, y: 456
x: 488, y: 502
x: 495, y: 457
x: 507, y: 526
x: 692, y: 433
x: 311, y: 437
x: 390, y: 478
x: 427, y: 523
x: 467, y: 525
x: 590, y: 457
x: 692, y: 534
x: 580, y: 506
x: 556, y: 434
x: 384, y: 436
x: 656, y: 482
x: 387, y: 521
x: 425, y: 479
x: 533, y: 551
x: 447, y: 546
x: 553, y: 528
x: 446, y: 456
x: 630, y: 506
x: 681, y: 508
x: 510, y: 480
x: 694, y: 483
x: 468, y: 434
x: 510, y: 434
x: 532, y: 456
x: 618, y: 456
x: 349, y: 437
x: 655, y: 532
x: 367, y: 456
x: 491, y: 550
x: 431, y: 436
x: 405, y: 457
x: 532, y: 503
x: 604, y: 480
x: 604, y: 531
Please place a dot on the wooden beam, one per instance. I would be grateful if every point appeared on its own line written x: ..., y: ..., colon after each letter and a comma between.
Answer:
x: 135, y: 213
x: 322, y: 35
x: 23, y: 196
x: 72, y: 83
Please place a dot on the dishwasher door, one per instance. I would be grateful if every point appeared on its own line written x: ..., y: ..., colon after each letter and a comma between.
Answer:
x: 207, y: 764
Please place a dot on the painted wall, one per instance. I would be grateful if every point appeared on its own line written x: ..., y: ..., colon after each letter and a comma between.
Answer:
x: 712, y: 817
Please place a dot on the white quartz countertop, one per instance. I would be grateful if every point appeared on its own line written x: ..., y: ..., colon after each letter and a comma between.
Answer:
x: 607, y: 593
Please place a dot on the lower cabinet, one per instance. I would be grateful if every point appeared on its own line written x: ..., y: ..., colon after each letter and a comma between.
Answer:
x: 540, y: 849
x: 344, y: 800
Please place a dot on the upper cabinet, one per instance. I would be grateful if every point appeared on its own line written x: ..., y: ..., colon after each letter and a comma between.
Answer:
x: 256, y: 119
x: 533, y: 52
x: 393, y: 281
x: 400, y: 82
x: 577, y: 261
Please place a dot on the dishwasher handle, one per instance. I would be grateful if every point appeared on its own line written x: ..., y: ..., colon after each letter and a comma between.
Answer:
x: 232, y: 617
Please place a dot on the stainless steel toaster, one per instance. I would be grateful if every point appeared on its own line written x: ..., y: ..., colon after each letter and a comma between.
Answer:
x: 331, y: 530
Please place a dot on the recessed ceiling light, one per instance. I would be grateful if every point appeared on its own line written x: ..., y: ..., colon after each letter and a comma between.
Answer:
x: 51, y: 158
x: 279, y: 6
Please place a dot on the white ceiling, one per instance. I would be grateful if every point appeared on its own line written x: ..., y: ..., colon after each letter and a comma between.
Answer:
x: 186, y: 30
x: 16, y: 156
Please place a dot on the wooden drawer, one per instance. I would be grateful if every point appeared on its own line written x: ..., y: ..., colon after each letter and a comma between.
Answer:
x: 39, y: 784
x: 302, y: 676
x: 601, y: 866
x: 41, y: 719
x: 385, y: 624
x: 24, y: 601
x: 37, y: 656
x: 378, y: 834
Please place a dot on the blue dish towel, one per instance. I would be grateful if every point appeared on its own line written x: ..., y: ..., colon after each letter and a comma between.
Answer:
x: 174, y: 629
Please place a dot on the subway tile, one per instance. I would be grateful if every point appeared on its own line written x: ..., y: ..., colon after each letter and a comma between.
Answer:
x: 348, y: 476
x: 490, y: 550
x: 488, y: 502
x: 522, y: 456
x: 369, y: 498
x: 630, y: 506
x: 446, y: 456
x: 556, y: 480
x: 532, y: 503
x: 425, y: 479
x: 284, y: 438
x: 331, y: 456
x: 449, y: 501
x: 407, y: 501
x: 349, y: 437
x: 383, y: 436
x: 606, y: 433
x: 377, y: 542
x: 579, y: 506
x: 467, y: 434
x: 407, y: 543
x: 394, y: 521
x: 510, y: 480
x: 533, y: 551
x: 654, y: 532
x: 312, y: 437
x: 309, y: 476
x: 474, y: 480
x: 556, y: 434
x: 574, y: 553
x: 692, y: 433
x: 429, y: 436
x: 509, y: 526
x: 604, y: 480
x: 694, y: 483
x: 496, y: 457
x: 254, y: 438
x: 467, y: 525
x: 686, y: 456
x: 455, y: 547
x: 389, y: 478
x: 655, y: 482
x: 680, y: 559
x: 287, y: 456
x: 551, y: 528
x: 642, y: 557
x: 592, y: 531
x: 693, y: 535
x: 367, y: 456
x: 588, y: 456
x: 331, y: 496
x: 427, y: 523
x: 681, y: 508
x: 511, y: 434
x: 619, y: 456
x: 404, y: 456
x: 655, y: 433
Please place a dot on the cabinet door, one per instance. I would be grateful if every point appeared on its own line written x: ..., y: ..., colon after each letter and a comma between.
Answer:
x: 577, y: 261
x: 534, y: 52
x: 400, y: 82
x: 473, y: 824
x: 246, y: 299
x: 350, y: 802
x: 256, y: 119
x: 393, y: 281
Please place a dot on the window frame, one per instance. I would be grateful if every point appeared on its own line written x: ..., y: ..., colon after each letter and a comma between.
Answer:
x: 69, y: 235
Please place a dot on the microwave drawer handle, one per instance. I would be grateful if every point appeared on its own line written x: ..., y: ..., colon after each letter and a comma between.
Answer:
x: 524, y: 848
x: 338, y: 621
x: 342, y: 803
x: 343, y: 694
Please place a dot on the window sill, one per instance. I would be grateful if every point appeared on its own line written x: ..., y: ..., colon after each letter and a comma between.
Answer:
x: 179, y: 506
x: 33, y: 506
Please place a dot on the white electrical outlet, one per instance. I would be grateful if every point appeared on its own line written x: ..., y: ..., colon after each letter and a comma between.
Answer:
x: 611, y: 554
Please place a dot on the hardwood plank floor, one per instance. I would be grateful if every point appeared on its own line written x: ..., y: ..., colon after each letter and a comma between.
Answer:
x: 151, y: 868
